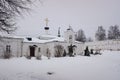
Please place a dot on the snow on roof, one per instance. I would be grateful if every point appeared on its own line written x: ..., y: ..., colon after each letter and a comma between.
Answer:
x: 36, y: 40
x: 59, y: 39
x: 43, y: 38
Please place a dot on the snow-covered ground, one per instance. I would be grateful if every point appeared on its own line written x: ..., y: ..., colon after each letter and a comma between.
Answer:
x: 99, y: 67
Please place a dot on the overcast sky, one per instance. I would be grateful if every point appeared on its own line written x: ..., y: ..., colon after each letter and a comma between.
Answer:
x: 80, y: 14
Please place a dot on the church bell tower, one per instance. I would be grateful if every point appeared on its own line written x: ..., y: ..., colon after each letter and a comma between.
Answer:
x: 70, y: 35
x: 59, y: 32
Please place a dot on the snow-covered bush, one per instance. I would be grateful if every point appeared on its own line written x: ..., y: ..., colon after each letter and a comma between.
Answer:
x: 59, y: 50
x: 38, y: 57
x: 28, y: 57
x: 48, y: 53
x: 7, y: 55
x: 64, y: 54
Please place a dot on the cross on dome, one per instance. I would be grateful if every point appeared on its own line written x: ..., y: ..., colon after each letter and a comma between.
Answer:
x: 46, y: 20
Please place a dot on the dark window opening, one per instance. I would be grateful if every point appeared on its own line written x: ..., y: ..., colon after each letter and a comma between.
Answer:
x: 8, y: 48
x: 70, y: 37
x: 29, y: 39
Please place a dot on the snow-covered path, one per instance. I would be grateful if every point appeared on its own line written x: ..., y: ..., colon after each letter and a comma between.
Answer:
x: 99, y: 67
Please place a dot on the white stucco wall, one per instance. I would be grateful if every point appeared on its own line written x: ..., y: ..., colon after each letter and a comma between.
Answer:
x: 104, y: 45
x: 79, y: 48
x: 15, y: 46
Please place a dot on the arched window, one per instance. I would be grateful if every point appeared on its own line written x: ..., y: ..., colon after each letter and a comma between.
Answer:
x: 70, y: 39
x: 8, y: 48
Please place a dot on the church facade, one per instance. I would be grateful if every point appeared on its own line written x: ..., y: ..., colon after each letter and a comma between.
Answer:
x: 46, y: 45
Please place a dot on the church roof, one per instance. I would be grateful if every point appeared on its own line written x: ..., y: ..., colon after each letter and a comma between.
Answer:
x: 59, y: 39
x: 41, y: 39
x: 44, y: 39
x: 33, y: 40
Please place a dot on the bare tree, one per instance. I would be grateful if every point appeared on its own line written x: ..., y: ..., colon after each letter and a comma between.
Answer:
x: 100, y: 34
x: 59, y: 50
x: 9, y: 9
x: 114, y: 32
x: 80, y: 36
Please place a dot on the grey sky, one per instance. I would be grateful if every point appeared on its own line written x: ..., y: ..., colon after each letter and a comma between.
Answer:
x: 80, y: 14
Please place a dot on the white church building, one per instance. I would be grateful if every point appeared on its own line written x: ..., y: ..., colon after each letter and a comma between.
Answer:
x: 42, y: 45
x: 46, y: 44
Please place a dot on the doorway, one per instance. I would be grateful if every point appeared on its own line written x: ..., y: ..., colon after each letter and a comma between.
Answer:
x: 32, y: 51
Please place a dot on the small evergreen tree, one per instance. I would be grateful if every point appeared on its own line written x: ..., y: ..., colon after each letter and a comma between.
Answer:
x: 64, y: 54
x: 91, y: 51
x: 87, y: 53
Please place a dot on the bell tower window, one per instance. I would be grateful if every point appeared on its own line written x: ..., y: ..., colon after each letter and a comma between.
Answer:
x: 70, y: 39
